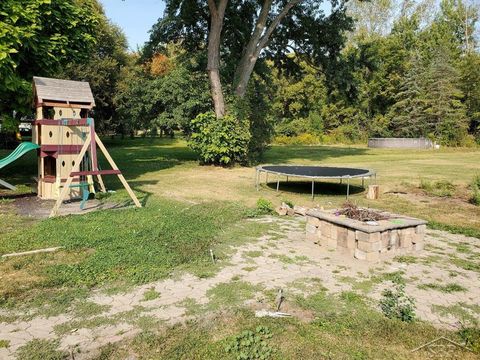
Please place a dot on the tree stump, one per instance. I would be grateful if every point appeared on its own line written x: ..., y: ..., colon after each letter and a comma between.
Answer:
x: 373, y: 192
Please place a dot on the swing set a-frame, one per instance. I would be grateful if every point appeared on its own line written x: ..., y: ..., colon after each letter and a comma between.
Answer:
x: 67, y: 154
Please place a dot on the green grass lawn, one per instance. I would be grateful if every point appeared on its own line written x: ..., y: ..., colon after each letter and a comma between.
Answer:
x: 189, y: 209
x: 187, y: 206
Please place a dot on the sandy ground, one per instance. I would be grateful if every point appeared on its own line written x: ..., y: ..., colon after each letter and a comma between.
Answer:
x: 281, y: 258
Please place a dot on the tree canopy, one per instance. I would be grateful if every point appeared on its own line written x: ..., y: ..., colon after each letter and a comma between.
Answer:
x: 237, y: 34
x: 36, y: 37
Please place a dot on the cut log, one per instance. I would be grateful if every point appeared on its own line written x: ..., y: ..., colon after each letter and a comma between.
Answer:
x: 373, y: 192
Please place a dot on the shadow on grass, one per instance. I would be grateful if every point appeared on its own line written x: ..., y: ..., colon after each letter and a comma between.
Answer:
x: 285, y: 154
x: 321, y: 187
x: 135, y: 157
x: 140, y: 156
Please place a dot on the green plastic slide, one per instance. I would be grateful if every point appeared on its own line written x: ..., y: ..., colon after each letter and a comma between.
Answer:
x: 16, y: 154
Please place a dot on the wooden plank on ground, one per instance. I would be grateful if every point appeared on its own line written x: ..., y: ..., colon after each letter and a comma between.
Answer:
x: 32, y: 252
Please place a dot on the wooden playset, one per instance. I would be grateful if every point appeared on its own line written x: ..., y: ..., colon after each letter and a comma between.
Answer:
x: 67, y: 143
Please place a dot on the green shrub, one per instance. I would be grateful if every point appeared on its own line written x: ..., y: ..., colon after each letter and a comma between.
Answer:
x: 265, y: 206
x: 251, y: 345
x: 347, y: 134
x: 395, y: 304
x: 475, y: 186
x: 302, y: 139
x: 282, y: 140
x: 221, y: 141
x: 254, y: 109
x: 293, y: 128
x: 443, y: 188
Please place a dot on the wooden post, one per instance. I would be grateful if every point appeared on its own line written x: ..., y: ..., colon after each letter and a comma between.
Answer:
x: 373, y: 192
x: 120, y: 176
x: 93, y: 151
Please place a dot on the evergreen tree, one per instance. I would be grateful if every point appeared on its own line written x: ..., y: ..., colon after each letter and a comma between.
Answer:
x: 446, y: 115
x: 408, y: 117
x: 470, y: 85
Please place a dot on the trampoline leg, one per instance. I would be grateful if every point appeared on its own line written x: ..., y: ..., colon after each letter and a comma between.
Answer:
x: 348, y: 187
x: 341, y: 181
x: 313, y: 189
x: 287, y: 178
x: 278, y: 182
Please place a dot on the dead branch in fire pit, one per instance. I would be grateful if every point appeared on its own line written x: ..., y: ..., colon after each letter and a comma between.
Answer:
x: 354, y: 212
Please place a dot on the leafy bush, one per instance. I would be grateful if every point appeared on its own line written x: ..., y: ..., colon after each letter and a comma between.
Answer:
x: 293, y: 128
x: 443, y: 188
x: 254, y: 109
x: 475, y: 186
x: 302, y: 139
x: 251, y: 345
x: 347, y: 134
x: 264, y: 206
x: 221, y: 141
x: 395, y: 304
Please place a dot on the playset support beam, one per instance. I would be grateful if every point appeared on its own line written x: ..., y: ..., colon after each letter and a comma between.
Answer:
x: 75, y: 172
x: 120, y: 176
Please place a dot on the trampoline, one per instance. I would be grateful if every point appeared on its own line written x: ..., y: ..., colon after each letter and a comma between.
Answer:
x: 313, y: 173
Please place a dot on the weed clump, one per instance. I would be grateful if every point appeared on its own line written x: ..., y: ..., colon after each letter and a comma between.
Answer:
x: 39, y: 349
x: 441, y: 188
x: 475, y: 186
x: 251, y: 345
x: 395, y: 304
x: 471, y: 337
x: 448, y: 288
x: 264, y: 207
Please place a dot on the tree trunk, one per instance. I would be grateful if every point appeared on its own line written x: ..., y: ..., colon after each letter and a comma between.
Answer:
x: 213, y: 65
x: 251, y: 52
x: 245, y: 70
x: 217, y: 92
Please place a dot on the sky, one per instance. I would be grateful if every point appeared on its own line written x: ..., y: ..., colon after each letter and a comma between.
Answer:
x: 135, y: 17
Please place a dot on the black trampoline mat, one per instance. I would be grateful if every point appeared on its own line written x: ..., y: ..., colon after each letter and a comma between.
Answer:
x: 315, y: 171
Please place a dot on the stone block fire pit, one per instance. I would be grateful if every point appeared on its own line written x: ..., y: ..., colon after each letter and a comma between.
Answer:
x: 371, y: 240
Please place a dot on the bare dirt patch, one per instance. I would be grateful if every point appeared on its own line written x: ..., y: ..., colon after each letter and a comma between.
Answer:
x: 285, y: 261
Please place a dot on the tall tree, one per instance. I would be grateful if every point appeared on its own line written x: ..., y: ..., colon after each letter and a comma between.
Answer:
x: 240, y: 32
x: 470, y: 85
x: 445, y: 111
x: 408, y: 116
